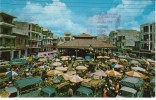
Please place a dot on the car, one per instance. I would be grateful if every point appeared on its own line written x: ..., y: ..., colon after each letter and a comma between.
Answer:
x: 127, y: 92
x: 48, y: 92
x: 131, y: 87
x: 84, y: 92
x: 19, y: 61
x: 9, y: 92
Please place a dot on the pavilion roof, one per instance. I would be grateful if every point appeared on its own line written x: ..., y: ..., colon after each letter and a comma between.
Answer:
x: 85, y: 43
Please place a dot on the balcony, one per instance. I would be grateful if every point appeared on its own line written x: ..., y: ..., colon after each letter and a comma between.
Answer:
x: 6, y: 25
x: 7, y: 46
x: 34, y: 46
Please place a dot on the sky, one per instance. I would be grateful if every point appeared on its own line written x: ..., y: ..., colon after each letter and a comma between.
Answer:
x: 82, y: 16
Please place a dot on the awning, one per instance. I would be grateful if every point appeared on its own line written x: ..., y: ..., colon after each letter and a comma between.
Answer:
x: 27, y: 82
x: 7, y: 36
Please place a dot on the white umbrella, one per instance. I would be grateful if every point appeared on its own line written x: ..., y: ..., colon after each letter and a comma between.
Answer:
x: 134, y: 62
x: 113, y: 60
x: 57, y: 60
x: 76, y: 79
x: 118, y: 66
x: 150, y: 60
x: 57, y: 64
x: 100, y: 73
x: 44, y: 67
x: 99, y: 57
x: 106, y: 57
x: 81, y: 68
x: 61, y: 68
x: 138, y: 69
x: 64, y: 58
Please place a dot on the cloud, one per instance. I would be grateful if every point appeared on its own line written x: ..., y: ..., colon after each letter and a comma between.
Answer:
x: 54, y: 15
x: 125, y: 15
x: 150, y: 17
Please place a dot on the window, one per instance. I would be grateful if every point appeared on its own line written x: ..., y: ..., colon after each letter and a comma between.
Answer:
x: 123, y: 37
x: 13, y: 94
x: 151, y: 30
x: 145, y: 29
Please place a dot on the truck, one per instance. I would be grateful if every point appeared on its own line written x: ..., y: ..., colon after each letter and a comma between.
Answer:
x: 55, y: 90
x: 131, y: 87
x: 25, y: 87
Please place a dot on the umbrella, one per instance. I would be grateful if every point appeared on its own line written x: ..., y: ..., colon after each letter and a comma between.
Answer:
x: 11, y: 73
x: 134, y: 62
x: 100, y: 73
x: 57, y: 64
x: 113, y: 60
x: 106, y: 57
x: 71, y: 72
x: 61, y: 68
x: 43, y: 67
x: 138, y: 69
x: 76, y: 79
x: 66, y: 76
x: 123, y: 60
x: 150, y: 60
x: 64, y: 58
x: 99, y: 57
x: 118, y: 66
x: 79, y: 58
x: 113, y: 73
x: 81, y: 68
x: 53, y: 72
x: 2, y: 74
x: 57, y: 60
x: 136, y: 74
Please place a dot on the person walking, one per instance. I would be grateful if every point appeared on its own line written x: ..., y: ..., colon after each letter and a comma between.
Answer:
x: 70, y: 92
x: 104, y: 93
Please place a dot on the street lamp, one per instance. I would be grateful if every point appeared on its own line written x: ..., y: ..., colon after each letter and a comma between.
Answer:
x: 76, y: 52
x: 91, y: 50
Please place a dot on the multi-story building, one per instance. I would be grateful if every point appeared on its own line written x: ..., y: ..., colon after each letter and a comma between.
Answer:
x: 21, y: 41
x: 147, y: 37
x: 47, y: 42
x: 35, y: 38
x: 67, y: 36
x: 124, y: 39
x: 56, y: 41
x: 7, y: 40
x: 145, y: 46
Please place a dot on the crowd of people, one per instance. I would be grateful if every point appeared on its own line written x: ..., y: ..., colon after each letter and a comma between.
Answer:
x: 110, y: 89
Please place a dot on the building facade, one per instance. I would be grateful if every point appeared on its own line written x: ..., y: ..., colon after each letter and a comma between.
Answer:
x: 21, y: 41
x: 124, y: 39
x: 147, y: 37
x: 35, y: 38
x: 7, y: 39
x: 47, y: 42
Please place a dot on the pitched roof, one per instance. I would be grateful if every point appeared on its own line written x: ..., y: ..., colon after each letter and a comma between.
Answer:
x: 84, y: 35
x: 85, y: 43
